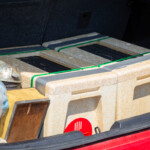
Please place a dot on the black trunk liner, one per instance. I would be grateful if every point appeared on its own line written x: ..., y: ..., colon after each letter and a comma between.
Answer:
x: 43, y: 64
x: 104, y: 52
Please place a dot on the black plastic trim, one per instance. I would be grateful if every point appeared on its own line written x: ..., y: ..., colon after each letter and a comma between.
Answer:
x: 76, y: 139
x: 70, y: 42
x: 21, y: 50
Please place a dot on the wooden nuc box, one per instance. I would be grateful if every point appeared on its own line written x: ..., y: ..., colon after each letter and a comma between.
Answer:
x: 25, y: 116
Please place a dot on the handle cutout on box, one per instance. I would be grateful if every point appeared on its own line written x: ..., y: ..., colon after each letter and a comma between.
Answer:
x: 143, y: 77
x: 85, y: 91
x: 141, y: 91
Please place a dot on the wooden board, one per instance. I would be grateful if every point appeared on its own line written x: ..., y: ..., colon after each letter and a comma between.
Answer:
x: 27, y: 109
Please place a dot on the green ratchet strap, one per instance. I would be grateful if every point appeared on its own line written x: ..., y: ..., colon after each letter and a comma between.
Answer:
x: 52, y: 73
x: 123, y: 59
x: 83, y: 43
x: 39, y: 75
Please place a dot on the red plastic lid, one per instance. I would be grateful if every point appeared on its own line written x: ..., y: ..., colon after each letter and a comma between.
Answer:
x: 80, y: 124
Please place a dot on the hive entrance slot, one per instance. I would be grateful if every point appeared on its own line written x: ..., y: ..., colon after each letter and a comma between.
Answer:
x: 85, y: 90
x: 43, y: 64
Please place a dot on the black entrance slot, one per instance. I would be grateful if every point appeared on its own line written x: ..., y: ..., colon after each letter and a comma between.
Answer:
x: 43, y: 64
x: 104, y: 52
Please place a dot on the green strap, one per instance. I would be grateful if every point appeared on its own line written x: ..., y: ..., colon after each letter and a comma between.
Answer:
x: 39, y: 75
x: 123, y: 59
x: 83, y: 43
